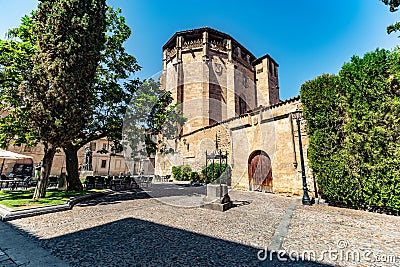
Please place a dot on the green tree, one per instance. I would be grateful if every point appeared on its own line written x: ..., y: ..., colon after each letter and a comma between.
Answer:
x: 393, y: 5
x: 67, y: 37
x: 16, y: 64
x: 70, y: 38
x: 111, y: 97
x: 150, y: 120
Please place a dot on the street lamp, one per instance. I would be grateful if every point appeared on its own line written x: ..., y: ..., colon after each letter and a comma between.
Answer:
x: 306, y: 199
x: 109, y: 162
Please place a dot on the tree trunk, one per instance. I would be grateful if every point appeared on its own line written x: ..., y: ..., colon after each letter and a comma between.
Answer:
x: 40, y: 190
x: 71, y: 155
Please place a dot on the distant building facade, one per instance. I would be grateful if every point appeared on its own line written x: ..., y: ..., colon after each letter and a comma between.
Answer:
x: 102, y: 163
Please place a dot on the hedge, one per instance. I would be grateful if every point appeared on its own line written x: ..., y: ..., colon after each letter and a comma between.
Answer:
x: 354, y: 129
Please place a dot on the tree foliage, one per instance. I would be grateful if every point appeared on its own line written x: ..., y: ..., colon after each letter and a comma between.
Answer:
x: 150, y: 120
x: 52, y: 65
x: 217, y: 173
x: 59, y: 92
x: 111, y: 97
x: 353, y: 125
x: 16, y: 64
x: 393, y: 6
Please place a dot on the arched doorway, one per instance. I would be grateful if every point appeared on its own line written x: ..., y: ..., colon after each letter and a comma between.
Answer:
x: 260, y: 172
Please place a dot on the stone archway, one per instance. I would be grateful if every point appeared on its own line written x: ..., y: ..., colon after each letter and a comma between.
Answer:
x: 260, y: 172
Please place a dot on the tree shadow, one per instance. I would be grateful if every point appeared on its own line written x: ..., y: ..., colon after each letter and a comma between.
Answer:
x: 115, y: 198
x: 134, y: 242
x: 156, y: 191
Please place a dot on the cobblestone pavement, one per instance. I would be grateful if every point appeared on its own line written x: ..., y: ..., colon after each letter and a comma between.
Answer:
x: 344, y: 237
x: 132, y: 229
x: 5, y: 260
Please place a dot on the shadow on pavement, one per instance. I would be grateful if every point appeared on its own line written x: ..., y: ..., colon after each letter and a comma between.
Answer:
x: 239, y: 203
x: 115, y: 198
x: 134, y: 242
x: 162, y: 192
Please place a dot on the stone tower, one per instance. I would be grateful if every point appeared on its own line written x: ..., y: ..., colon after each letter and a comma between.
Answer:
x: 266, y: 71
x: 214, y: 78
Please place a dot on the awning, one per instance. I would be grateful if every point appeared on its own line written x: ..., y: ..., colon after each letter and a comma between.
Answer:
x: 4, y: 154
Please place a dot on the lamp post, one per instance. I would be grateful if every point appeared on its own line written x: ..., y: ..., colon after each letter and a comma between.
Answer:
x: 109, y: 162
x: 306, y: 199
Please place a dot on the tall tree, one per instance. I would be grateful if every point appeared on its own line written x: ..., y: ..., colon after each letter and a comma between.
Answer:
x: 110, y: 97
x: 70, y: 37
x: 57, y: 92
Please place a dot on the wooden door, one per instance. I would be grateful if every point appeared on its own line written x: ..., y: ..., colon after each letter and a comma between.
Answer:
x: 260, y: 171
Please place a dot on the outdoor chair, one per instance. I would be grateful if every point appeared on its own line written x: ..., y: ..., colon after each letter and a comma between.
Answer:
x: 116, y: 182
x: 128, y: 182
x: 167, y: 177
x: 90, y: 182
x: 146, y: 181
x: 100, y: 181
x: 53, y: 181
x: 143, y: 181
x: 107, y: 181
x: 33, y: 182
x: 25, y: 183
x: 138, y: 180
x: 149, y: 181
x: 134, y: 184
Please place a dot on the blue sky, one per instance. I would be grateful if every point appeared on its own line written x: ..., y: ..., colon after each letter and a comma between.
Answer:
x: 306, y: 38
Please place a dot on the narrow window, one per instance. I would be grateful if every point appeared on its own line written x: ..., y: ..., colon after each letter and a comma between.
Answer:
x: 242, y: 106
x: 103, y: 163
x: 93, y: 146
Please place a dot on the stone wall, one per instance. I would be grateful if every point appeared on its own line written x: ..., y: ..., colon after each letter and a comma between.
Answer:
x: 272, y: 130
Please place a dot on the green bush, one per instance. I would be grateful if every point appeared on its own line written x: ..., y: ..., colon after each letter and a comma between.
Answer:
x: 212, y: 172
x: 353, y: 125
x: 181, y: 173
x: 185, y: 173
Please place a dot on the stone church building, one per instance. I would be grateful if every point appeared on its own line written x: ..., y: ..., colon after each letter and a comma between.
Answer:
x: 231, y: 100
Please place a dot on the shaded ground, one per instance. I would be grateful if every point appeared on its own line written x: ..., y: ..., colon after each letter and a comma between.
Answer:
x: 132, y: 229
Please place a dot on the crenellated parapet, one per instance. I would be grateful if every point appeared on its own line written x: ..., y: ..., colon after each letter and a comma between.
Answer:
x: 207, y: 39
